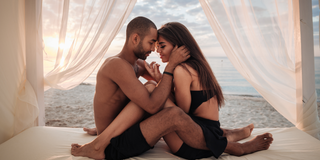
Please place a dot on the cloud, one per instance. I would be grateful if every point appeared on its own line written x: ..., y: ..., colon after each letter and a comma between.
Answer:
x: 315, y: 18
x: 195, y: 11
x: 187, y: 12
x: 172, y: 4
x: 183, y: 3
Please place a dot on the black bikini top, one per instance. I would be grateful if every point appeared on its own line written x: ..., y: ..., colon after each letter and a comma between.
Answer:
x: 197, y: 98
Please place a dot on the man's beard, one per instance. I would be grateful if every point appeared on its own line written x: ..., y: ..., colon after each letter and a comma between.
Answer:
x: 140, y: 53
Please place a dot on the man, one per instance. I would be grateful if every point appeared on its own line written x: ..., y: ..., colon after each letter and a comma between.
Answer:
x: 117, y: 79
x: 120, y: 82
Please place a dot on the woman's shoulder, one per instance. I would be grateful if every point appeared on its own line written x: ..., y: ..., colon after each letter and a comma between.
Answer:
x: 184, y: 66
x: 185, y: 69
x: 180, y: 70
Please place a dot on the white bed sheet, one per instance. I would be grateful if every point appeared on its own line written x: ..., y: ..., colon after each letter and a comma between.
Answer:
x: 53, y: 143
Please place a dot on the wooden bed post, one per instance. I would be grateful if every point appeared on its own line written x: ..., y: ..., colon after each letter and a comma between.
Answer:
x: 304, y: 57
x: 34, y: 57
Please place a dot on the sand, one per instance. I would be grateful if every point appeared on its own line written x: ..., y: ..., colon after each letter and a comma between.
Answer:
x: 74, y: 108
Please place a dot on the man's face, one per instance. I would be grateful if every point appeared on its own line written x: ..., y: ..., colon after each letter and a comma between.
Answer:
x: 146, y: 45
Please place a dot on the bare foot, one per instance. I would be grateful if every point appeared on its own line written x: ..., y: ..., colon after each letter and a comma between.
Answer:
x: 87, y: 150
x: 259, y: 143
x: 91, y: 131
x: 234, y: 135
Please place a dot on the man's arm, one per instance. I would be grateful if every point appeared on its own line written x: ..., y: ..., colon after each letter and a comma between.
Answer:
x: 123, y: 74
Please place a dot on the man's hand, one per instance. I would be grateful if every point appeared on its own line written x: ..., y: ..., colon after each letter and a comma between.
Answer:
x: 153, y: 70
x: 178, y: 55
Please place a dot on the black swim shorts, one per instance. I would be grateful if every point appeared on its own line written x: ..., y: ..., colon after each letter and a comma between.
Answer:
x: 214, y: 140
x: 129, y: 144
x: 188, y: 152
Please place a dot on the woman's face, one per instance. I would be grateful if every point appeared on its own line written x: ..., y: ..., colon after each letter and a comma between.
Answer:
x: 164, y: 49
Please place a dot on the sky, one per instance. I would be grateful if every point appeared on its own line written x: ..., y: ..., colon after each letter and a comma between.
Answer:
x: 189, y: 13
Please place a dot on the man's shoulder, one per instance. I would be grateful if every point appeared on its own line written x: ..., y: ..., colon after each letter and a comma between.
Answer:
x: 114, y: 67
x: 114, y: 60
x: 114, y: 63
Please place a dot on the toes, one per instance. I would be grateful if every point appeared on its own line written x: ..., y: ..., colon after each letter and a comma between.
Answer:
x: 266, y: 147
x: 269, y: 140
x: 266, y: 135
x: 75, y: 145
x: 85, y: 129
x: 251, y: 127
x: 74, y: 148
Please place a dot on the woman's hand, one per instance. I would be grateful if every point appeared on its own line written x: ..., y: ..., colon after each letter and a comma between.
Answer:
x: 153, y: 70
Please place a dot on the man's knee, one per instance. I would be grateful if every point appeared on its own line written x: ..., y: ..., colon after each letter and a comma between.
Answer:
x: 150, y: 85
x: 176, y: 113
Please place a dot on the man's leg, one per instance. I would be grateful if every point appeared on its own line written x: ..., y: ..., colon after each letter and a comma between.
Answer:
x: 172, y: 119
x: 130, y: 115
x: 150, y: 85
x: 233, y: 135
x: 260, y: 142
x: 175, y: 120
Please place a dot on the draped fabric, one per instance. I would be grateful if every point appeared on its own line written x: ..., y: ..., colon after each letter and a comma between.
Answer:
x: 258, y: 37
x: 18, y: 102
x: 77, y: 35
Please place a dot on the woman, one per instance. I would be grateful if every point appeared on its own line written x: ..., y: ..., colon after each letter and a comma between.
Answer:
x: 197, y: 93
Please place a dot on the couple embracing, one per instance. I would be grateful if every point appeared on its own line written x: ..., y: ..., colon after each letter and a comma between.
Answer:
x: 181, y: 105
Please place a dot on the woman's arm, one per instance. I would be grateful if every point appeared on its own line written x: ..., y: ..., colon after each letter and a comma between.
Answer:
x: 182, y: 83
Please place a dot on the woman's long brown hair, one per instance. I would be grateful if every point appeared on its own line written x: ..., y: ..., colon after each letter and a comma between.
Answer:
x: 177, y: 34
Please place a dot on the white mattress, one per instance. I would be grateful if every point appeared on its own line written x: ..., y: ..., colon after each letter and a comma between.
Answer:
x: 53, y: 143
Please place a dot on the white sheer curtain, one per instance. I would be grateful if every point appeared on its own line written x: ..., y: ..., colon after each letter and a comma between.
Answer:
x: 18, y: 102
x: 258, y: 38
x: 77, y: 34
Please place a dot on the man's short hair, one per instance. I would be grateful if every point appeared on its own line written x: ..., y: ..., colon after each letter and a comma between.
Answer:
x: 140, y: 25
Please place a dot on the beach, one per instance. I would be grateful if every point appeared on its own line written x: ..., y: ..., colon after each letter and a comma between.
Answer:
x: 74, y: 108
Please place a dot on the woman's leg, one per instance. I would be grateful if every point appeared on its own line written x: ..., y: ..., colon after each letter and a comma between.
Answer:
x: 234, y: 135
x: 172, y: 139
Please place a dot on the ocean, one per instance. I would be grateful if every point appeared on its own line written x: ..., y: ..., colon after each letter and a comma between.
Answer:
x: 228, y: 77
